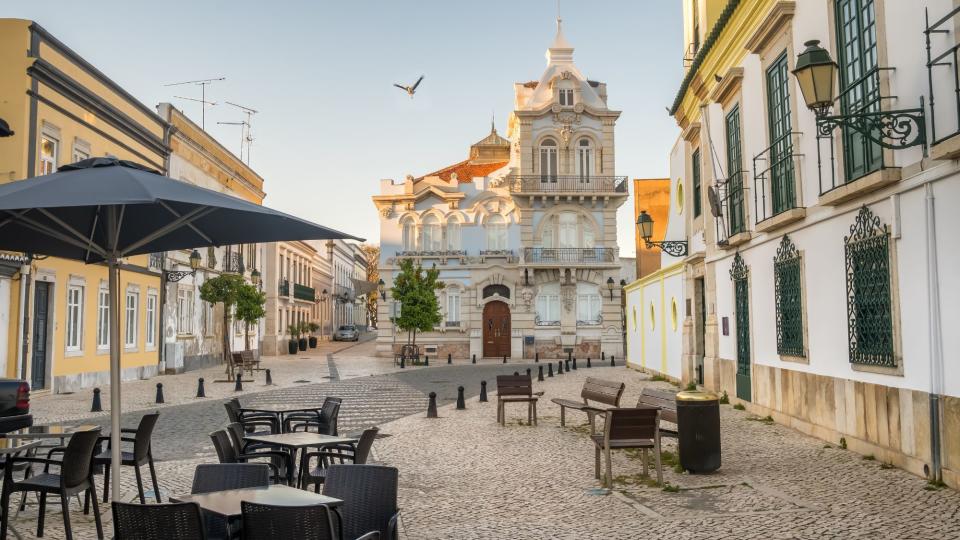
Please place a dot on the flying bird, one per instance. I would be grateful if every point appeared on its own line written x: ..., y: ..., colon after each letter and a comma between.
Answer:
x: 412, y: 89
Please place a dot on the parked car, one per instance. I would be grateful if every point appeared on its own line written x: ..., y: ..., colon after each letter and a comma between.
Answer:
x: 14, y: 405
x: 347, y: 332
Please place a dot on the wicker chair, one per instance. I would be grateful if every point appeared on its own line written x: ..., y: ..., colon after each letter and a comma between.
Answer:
x: 324, y: 419
x: 369, y: 493
x: 252, y: 422
x: 75, y: 476
x: 172, y: 521
x: 227, y: 453
x: 141, y: 455
x: 210, y: 477
x: 317, y: 522
x: 342, y: 453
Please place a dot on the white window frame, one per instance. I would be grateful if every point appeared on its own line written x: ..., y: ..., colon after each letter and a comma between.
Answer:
x: 184, y: 311
x: 103, y: 318
x: 585, y: 159
x: 549, y: 164
x: 74, y: 334
x: 453, y: 235
x: 496, y: 227
x: 81, y: 150
x: 151, y: 310
x: 589, y: 304
x: 453, y: 306
x: 409, y: 231
x: 48, y: 164
x: 548, y: 303
x: 131, y: 318
x: 432, y: 234
x: 568, y: 230
x: 566, y: 97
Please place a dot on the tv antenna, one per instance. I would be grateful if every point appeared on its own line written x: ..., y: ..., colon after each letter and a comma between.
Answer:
x: 243, y: 135
x: 202, y: 83
x: 246, y: 133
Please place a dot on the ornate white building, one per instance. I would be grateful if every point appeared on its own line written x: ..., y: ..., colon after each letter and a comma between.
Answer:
x: 523, y: 231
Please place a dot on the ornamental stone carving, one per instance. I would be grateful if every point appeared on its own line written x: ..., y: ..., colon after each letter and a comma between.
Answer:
x: 386, y: 212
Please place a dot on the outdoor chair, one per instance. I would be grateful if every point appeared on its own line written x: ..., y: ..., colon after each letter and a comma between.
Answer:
x: 236, y: 433
x: 171, y: 521
x: 342, y: 453
x: 228, y: 454
x: 264, y: 521
x: 369, y: 493
x: 323, y: 420
x: 141, y: 455
x: 516, y: 389
x: 629, y: 428
x: 75, y: 476
x: 209, y: 477
x: 253, y: 422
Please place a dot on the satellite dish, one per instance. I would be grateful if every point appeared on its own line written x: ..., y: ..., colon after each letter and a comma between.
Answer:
x: 715, y: 207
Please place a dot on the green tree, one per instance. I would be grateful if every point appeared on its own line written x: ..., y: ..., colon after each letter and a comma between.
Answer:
x: 223, y: 289
x: 416, y: 290
x: 250, y: 309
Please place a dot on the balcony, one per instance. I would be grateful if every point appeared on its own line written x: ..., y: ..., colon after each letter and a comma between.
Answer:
x: 775, y: 184
x: 570, y: 256
x: 233, y: 263
x: 284, y: 288
x: 943, y: 51
x: 731, y: 220
x: 547, y: 184
x: 302, y: 292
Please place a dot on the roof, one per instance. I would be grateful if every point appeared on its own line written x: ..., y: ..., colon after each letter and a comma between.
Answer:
x: 531, y: 84
x: 704, y: 50
x: 465, y: 170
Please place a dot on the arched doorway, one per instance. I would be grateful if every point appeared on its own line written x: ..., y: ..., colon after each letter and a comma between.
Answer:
x: 496, y: 330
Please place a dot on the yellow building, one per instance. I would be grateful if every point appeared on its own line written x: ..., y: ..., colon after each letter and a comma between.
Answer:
x: 63, y: 109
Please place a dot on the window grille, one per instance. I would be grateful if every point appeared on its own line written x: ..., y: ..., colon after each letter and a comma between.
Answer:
x: 869, y: 306
x: 789, y: 299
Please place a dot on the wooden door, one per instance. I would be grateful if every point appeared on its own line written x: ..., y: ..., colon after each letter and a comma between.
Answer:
x: 38, y: 368
x: 496, y: 330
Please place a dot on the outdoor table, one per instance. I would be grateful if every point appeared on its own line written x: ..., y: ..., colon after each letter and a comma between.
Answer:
x: 298, y: 440
x: 53, y: 431
x: 10, y: 447
x: 279, y: 409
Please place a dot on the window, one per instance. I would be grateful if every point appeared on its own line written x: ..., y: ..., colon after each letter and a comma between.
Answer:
x: 74, y: 317
x: 584, y: 159
x: 547, y: 233
x: 130, y: 321
x: 566, y: 97
x: 697, y: 196
x: 453, y: 306
x: 432, y: 239
x: 696, y: 26
x: 184, y: 311
x: 548, y: 305
x: 859, y: 83
x: 567, y: 225
x: 81, y: 151
x: 789, y: 301
x: 869, y: 304
x: 49, y: 148
x: 496, y: 226
x: 207, y: 319
x: 548, y: 160
x: 588, y: 304
x: 151, y: 320
x: 409, y: 235
x: 453, y: 234
x: 103, y: 318
x: 781, y: 141
x: 735, y: 170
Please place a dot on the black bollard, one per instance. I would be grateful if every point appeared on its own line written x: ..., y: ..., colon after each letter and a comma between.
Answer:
x: 483, y: 391
x: 567, y: 367
x: 574, y: 363
x: 540, y: 374
x: 449, y: 358
x: 569, y: 355
x: 528, y: 372
x: 603, y: 356
x: 588, y: 361
x: 559, y: 367
x: 269, y: 379
x: 550, y: 369
x: 516, y: 373
x: 200, y: 391
x: 426, y: 360
x: 536, y: 358
x: 432, y: 407
x: 403, y: 362
x: 504, y: 359
x: 474, y: 360
x: 239, y: 386
x: 612, y: 363
x: 159, y: 393
x: 96, y: 407
x: 461, y: 405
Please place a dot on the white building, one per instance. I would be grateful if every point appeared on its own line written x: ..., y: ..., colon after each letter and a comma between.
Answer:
x: 825, y: 267
x: 348, y: 267
x: 523, y: 231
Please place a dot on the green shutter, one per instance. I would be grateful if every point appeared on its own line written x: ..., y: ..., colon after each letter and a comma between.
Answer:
x: 781, y: 136
x: 789, y: 299
x: 735, y: 171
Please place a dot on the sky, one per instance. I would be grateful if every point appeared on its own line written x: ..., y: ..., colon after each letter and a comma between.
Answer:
x: 331, y: 125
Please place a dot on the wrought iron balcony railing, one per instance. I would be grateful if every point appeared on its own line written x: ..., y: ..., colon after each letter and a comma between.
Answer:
x: 302, y: 292
x: 774, y: 178
x: 553, y: 183
x: 731, y: 195
x: 432, y: 253
x: 233, y: 262
x: 945, y: 56
x: 594, y: 255
x: 284, y: 288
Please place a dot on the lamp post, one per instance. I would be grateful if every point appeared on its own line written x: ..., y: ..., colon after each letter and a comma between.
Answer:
x: 381, y: 287
x: 610, y: 284
x: 675, y: 248
x: 255, y: 278
x: 174, y: 276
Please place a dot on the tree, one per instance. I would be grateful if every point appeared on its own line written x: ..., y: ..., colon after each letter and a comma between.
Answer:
x: 250, y: 309
x: 416, y: 290
x: 372, y: 255
x: 223, y: 289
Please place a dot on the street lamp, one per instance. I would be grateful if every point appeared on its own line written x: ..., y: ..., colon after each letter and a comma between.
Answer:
x: 381, y: 286
x: 675, y: 248
x: 176, y: 275
x: 610, y: 286
x: 816, y: 74
x: 255, y: 278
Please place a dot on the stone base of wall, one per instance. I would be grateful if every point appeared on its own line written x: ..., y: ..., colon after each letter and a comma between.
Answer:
x: 459, y: 350
x: 891, y: 424
x: 79, y: 381
x: 550, y: 350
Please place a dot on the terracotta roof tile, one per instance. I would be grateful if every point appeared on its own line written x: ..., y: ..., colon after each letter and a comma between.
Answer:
x: 466, y: 171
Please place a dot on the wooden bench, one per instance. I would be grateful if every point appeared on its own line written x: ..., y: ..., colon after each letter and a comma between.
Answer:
x: 249, y: 359
x: 598, y: 390
x: 516, y: 389
x: 244, y: 361
x: 665, y: 400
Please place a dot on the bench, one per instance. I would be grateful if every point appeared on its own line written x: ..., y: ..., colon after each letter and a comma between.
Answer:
x: 665, y: 400
x: 601, y: 391
x: 516, y: 389
x: 244, y: 361
x: 249, y: 359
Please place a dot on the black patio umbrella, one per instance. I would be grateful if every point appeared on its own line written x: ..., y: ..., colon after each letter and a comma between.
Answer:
x: 105, y: 209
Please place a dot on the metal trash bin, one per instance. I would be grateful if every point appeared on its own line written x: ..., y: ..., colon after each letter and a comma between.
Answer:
x: 698, y: 431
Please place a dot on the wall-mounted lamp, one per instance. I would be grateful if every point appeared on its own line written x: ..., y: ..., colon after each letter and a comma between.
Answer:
x: 610, y: 284
x: 174, y: 276
x: 676, y: 248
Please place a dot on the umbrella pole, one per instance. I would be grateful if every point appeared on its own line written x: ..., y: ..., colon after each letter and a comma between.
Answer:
x: 114, y: 267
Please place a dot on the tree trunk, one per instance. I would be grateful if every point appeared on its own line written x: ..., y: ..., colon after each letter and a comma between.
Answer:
x: 226, y: 341
x: 246, y: 335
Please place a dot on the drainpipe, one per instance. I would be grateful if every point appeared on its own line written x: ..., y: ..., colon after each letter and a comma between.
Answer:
x: 22, y: 339
x: 935, y: 335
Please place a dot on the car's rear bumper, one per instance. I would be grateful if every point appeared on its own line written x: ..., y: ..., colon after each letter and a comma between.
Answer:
x: 13, y: 423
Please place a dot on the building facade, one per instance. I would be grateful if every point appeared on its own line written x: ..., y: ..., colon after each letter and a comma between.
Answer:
x: 523, y: 231
x: 62, y: 109
x: 348, y: 266
x: 192, y: 328
x: 291, y: 297
x: 819, y: 254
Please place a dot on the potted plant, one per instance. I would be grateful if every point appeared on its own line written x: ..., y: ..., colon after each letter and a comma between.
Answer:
x: 302, y: 330
x: 292, y: 344
x: 313, y: 339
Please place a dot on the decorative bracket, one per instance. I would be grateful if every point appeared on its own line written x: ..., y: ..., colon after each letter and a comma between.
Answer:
x: 674, y: 248
x: 174, y: 276
x: 890, y: 129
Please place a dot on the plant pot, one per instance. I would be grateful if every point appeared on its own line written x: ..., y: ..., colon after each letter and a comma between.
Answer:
x: 303, y: 344
x: 313, y: 342
x: 292, y: 346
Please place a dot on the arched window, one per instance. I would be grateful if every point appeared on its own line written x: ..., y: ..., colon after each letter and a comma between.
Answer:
x: 409, y: 234
x: 567, y: 233
x: 548, y: 160
x: 584, y: 159
x: 496, y: 227
x: 453, y: 234
x: 497, y: 289
x: 432, y: 239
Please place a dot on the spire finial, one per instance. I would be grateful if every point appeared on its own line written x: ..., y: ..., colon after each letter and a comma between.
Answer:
x: 493, y: 126
x: 559, y: 19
